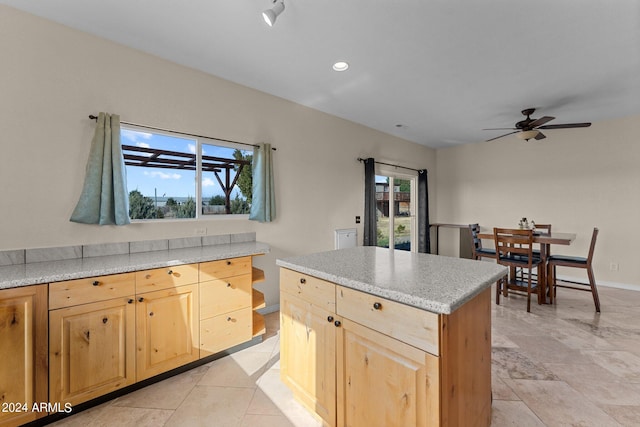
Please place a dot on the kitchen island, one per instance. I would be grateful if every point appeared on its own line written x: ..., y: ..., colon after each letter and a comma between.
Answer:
x: 378, y: 337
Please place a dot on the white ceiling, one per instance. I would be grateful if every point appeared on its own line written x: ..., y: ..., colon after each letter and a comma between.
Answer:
x: 443, y: 69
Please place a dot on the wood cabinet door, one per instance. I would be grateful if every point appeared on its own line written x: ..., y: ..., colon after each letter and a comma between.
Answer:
x: 23, y: 352
x: 90, y: 350
x: 383, y: 382
x: 167, y: 330
x: 308, y: 354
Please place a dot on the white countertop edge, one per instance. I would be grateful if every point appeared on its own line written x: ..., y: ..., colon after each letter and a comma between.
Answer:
x: 20, y: 275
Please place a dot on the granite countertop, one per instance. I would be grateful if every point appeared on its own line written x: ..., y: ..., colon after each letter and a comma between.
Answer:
x: 431, y: 282
x: 54, y: 271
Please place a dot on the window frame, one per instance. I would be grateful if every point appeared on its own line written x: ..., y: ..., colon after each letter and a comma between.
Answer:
x: 199, y: 142
x: 392, y: 174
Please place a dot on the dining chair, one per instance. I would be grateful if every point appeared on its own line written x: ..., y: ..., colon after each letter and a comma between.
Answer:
x: 537, y: 252
x: 514, y: 249
x: 477, y: 251
x: 544, y: 228
x: 554, y: 261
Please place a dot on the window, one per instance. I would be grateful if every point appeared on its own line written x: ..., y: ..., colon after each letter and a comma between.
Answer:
x: 174, y: 176
x: 395, y: 219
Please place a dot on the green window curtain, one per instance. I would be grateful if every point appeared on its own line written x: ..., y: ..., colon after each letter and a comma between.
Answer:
x: 104, y: 199
x: 263, y: 202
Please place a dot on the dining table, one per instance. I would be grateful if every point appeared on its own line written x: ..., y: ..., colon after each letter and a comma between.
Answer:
x: 545, y: 240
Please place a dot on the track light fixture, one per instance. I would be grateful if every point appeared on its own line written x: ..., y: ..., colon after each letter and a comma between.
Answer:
x: 270, y: 15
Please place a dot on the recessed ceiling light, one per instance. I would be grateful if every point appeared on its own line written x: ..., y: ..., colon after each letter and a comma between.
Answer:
x: 340, y: 66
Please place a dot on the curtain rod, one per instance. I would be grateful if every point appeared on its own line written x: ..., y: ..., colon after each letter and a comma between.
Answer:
x: 93, y: 117
x: 360, y: 159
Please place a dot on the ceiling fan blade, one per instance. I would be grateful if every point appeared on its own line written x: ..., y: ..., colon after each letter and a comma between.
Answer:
x: 540, y: 136
x: 501, y: 129
x: 540, y: 121
x: 566, y: 126
x: 510, y: 133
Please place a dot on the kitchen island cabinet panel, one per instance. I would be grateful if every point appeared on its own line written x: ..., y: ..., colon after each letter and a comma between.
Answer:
x: 466, y: 369
x: 412, y: 336
x: 416, y: 327
x: 23, y: 351
x: 309, y: 288
x: 308, y: 354
x: 381, y: 382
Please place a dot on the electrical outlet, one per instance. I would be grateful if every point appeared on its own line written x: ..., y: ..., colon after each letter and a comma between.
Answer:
x: 358, y: 219
x: 613, y: 266
x: 200, y: 231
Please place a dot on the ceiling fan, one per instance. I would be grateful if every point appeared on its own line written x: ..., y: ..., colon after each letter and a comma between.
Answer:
x: 528, y: 128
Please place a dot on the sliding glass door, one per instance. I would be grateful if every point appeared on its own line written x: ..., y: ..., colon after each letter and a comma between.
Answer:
x: 395, y: 211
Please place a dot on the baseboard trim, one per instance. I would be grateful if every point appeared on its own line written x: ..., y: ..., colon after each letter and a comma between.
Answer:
x: 607, y: 284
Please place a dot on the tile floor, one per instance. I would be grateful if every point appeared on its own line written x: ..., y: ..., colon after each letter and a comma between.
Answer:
x: 560, y: 365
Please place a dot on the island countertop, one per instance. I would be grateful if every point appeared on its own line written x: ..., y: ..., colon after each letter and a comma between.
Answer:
x: 53, y: 271
x: 431, y: 282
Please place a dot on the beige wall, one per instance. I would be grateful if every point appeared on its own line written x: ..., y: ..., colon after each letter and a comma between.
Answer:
x: 574, y: 179
x: 53, y: 77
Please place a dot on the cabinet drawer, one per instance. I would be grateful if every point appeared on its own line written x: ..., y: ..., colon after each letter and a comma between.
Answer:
x: 223, y: 268
x: 224, y: 331
x: 309, y: 288
x: 166, y: 277
x: 91, y: 289
x: 222, y: 296
x: 410, y: 325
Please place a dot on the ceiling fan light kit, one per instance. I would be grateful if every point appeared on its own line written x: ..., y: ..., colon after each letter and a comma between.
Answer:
x: 527, y: 134
x: 529, y: 128
x: 270, y: 15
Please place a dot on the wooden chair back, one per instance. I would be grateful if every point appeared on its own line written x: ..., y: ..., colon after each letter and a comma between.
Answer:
x: 513, y: 244
x: 592, y: 247
x: 546, y: 228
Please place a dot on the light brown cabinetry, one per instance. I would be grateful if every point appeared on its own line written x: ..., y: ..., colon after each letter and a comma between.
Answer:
x: 91, y: 337
x: 167, y: 307
x: 393, y: 364
x: 166, y: 330
x: 23, y: 353
x: 308, y: 354
x: 383, y: 381
x: 227, y: 303
x: 110, y: 331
